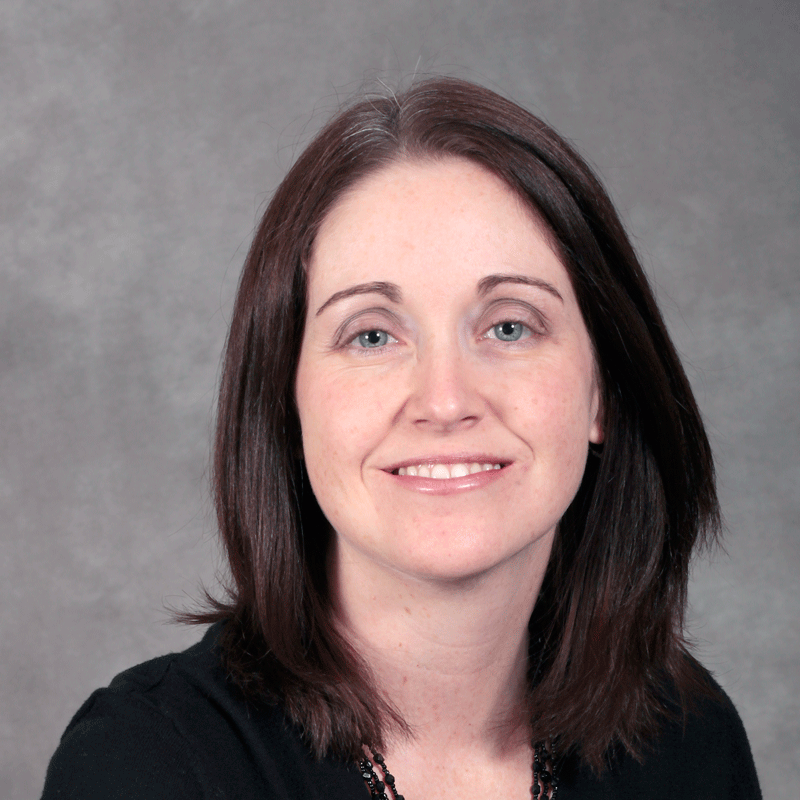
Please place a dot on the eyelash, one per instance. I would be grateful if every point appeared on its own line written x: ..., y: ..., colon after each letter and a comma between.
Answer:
x: 526, y: 333
x: 532, y: 322
x: 522, y: 336
x: 358, y: 346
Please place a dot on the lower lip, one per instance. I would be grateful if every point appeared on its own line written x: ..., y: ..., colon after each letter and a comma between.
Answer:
x: 477, y: 480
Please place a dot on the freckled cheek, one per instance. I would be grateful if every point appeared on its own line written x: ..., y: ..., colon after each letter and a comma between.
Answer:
x: 555, y: 411
x: 341, y: 420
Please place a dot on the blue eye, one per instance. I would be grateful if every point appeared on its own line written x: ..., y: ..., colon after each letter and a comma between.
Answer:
x: 508, y: 331
x: 372, y: 339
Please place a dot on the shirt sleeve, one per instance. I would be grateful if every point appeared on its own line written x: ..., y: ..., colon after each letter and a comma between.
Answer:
x: 703, y: 756
x: 112, y: 751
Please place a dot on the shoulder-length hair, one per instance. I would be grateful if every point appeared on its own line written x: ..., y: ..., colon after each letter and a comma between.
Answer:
x: 607, y: 629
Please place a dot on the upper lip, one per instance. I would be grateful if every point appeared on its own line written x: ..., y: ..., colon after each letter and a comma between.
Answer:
x: 457, y: 458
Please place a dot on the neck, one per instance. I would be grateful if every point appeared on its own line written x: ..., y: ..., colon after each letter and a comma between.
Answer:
x: 449, y: 655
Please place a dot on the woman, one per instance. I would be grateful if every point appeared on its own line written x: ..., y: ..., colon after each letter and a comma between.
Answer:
x: 459, y: 474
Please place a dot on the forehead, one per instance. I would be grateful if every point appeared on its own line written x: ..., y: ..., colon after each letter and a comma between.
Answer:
x: 427, y: 209
x: 448, y: 177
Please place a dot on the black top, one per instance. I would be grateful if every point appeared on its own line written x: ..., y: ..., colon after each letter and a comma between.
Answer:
x: 175, y: 728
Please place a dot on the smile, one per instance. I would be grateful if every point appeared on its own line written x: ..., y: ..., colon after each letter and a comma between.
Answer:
x: 446, y: 471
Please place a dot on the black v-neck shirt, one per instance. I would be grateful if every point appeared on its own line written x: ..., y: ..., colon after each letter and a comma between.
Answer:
x: 175, y: 729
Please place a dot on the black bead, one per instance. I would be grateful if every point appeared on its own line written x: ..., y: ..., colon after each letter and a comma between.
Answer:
x: 545, y: 776
x: 389, y: 778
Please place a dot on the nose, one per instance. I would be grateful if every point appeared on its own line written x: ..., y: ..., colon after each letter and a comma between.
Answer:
x: 445, y: 392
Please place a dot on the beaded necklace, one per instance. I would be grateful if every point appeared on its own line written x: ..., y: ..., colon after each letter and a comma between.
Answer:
x: 543, y: 787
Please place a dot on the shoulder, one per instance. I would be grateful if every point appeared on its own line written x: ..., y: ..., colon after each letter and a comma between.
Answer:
x: 701, y: 752
x: 175, y: 727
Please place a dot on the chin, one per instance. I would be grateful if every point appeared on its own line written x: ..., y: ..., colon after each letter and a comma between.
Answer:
x: 468, y: 556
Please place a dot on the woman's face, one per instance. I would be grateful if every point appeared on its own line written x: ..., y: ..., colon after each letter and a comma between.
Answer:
x: 446, y: 384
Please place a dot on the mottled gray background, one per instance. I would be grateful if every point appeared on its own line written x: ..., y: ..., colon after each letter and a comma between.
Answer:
x: 138, y: 141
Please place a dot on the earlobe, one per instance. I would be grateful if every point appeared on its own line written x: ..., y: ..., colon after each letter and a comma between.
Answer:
x: 597, y: 430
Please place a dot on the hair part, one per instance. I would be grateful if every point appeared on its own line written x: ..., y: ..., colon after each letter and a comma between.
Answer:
x: 607, y: 642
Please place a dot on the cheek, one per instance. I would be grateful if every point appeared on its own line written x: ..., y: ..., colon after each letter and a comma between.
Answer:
x: 557, y: 414
x: 339, y: 418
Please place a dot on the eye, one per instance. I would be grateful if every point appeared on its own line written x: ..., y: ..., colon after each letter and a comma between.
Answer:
x: 372, y: 339
x: 508, y: 331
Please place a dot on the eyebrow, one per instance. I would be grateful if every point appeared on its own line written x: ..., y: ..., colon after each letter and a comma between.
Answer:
x: 392, y: 291
x: 389, y: 290
x: 485, y: 285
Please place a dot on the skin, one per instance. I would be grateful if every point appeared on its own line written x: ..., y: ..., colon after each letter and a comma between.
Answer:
x: 481, y: 355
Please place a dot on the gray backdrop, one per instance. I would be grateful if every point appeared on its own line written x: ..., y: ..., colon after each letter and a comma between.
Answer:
x: 139, y: 141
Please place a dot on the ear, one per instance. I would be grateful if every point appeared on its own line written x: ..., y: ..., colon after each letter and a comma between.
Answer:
x: 597, y: 429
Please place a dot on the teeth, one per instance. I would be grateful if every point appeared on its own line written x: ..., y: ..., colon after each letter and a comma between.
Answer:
x: 445, y: 471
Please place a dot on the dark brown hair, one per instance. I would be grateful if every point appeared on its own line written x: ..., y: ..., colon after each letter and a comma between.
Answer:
x: 607, y: 630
